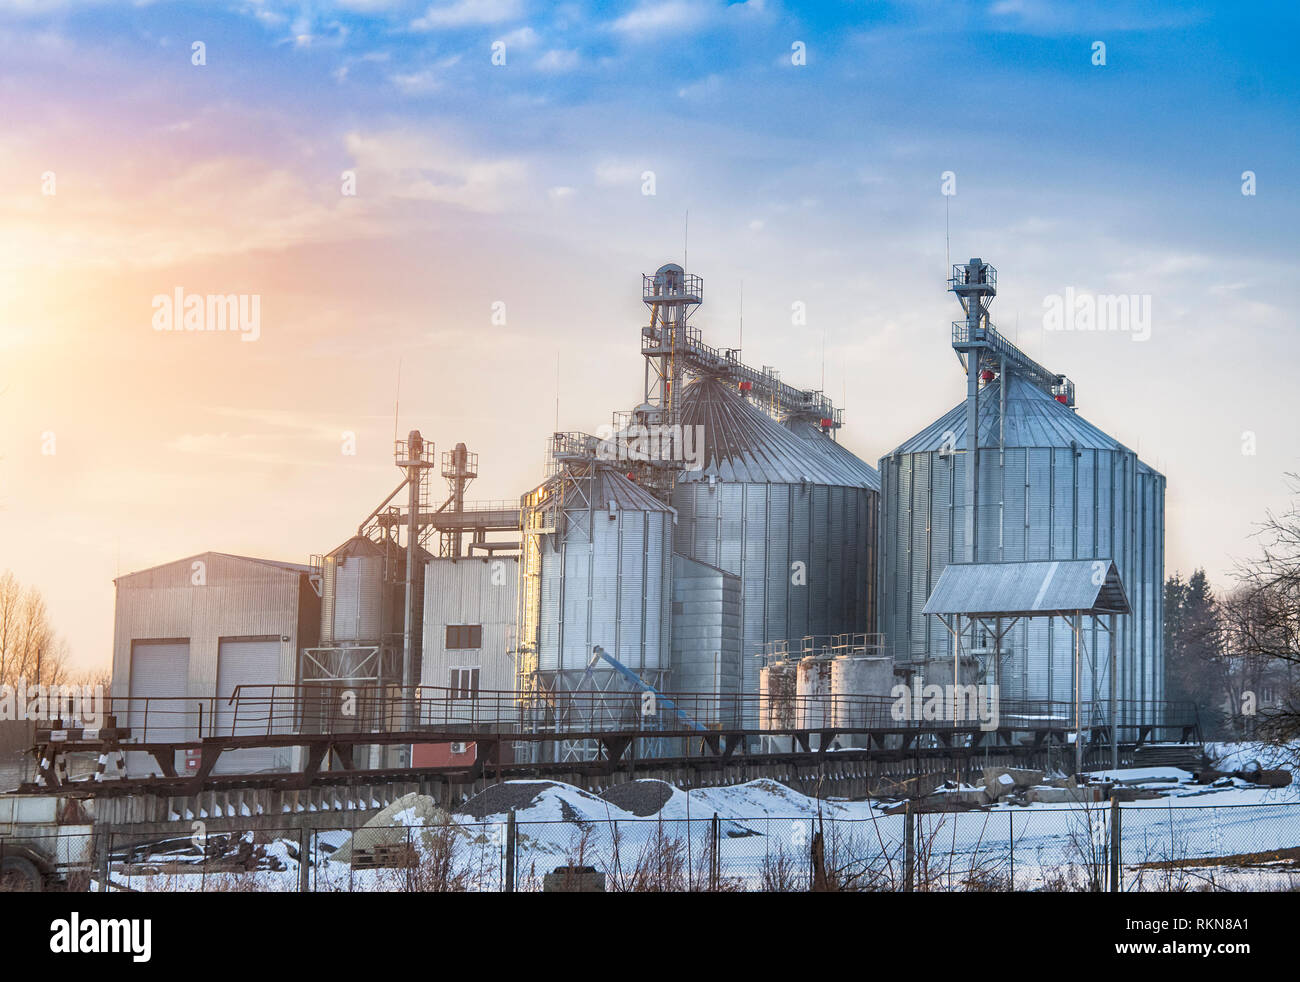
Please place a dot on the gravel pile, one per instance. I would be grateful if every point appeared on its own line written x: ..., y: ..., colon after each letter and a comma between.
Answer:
x: 641, y: 798
x: 497, y: 799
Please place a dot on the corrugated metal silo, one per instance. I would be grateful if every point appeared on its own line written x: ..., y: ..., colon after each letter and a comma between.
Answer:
x: 1049, y: 485
x: 768, y: 497
x: 606, y: 579
x: 352, y: 592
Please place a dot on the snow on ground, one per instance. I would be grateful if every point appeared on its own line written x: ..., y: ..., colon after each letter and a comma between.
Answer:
x: 1238, y: 756
x: 763, y: 821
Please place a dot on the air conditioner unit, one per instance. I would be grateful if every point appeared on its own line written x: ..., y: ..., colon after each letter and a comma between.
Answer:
x: 460, y: 748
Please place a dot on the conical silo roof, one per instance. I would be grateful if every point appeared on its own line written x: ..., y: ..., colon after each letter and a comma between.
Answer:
x: 625, y: 494
x: 868, y: 476
x: 743, y: 444
x: 1033, y: 419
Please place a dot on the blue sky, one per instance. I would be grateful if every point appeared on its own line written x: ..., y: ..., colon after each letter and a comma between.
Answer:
x: 522, y: 184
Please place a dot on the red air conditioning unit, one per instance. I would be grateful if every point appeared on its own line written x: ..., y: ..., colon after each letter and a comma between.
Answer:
x: 827, y: 424
x: 746, y: 386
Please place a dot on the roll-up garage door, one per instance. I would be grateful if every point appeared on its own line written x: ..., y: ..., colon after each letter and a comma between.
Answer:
x: 247, y: 662
x: 160, y: 710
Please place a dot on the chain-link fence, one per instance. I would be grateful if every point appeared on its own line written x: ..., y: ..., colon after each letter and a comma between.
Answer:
x: 1106, y: 846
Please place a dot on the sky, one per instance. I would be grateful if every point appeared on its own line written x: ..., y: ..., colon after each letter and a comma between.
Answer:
x: 455, y: 194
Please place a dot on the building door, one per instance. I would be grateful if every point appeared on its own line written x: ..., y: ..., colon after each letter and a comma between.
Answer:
x: 160, y: 710
x: 250, y: 662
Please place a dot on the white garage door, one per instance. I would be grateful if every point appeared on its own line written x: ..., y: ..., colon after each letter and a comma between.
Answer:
x: 247, y: 662
x: 160, y: 710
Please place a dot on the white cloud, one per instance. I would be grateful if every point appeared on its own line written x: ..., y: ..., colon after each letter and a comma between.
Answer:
x: 462, y: 13
x: 419, y: 167
x: 558, y: 61
x: 424, y: 80
x: 613, y: 172
x: 524, y: 37
x: 652, y: 19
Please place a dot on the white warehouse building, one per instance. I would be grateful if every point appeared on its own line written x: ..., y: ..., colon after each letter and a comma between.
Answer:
x: 186, y: 633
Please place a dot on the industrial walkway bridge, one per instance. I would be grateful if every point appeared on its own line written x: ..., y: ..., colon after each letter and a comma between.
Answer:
x: 565, y: 733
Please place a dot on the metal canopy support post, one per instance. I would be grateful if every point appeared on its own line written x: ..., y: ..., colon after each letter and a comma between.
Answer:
x: 1114, y: 701
x: 1078, y: 680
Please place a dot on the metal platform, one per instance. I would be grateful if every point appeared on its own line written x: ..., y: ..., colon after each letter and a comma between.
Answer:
x: 299, y: 716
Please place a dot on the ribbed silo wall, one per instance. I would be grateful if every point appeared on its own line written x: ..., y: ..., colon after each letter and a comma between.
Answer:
x: 1034, y: 503
x: 611, y: 588
x: 759, y: 531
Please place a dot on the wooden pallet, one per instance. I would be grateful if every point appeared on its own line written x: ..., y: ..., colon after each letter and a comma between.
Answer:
x: 400, y: 855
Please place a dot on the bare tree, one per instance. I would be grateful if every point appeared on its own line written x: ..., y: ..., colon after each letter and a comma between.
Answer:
x: 29, y: 647
x: 1265, y: 618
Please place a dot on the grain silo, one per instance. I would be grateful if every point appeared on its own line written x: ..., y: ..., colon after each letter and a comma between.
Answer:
x: 792, y: 514
x: 595, y: 572
x: 1045, y: 485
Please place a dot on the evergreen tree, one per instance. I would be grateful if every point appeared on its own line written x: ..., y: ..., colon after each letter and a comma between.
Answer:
x: 1194, y: 663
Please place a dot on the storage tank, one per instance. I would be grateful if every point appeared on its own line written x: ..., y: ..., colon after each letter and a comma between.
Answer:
x: 776, y: 694
x: 789, y: 511
x: 860, y: 687
x: 1049, y: 485
x: 813, y: 693
x: 606, y: 579
x: 353, y: 594
x: 776, y: 702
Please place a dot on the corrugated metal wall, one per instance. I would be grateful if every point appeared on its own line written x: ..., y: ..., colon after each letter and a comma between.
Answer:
x: 758, y: 531
x: 1040, y: 503
x: 224, y: 597
x: 473, y: 590
x: 611, y: 586
x: 706, y: 629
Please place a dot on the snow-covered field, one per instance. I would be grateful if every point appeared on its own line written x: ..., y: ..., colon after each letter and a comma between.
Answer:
x: 665, y: 838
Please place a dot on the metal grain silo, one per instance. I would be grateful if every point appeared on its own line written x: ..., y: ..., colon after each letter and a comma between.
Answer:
x: 353, y: 593
x: 606, y: 579
x: 788, y: 510
x: 1046, y: 485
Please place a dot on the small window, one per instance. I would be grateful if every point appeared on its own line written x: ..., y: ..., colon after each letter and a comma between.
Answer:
x: 461, y: 636
x: 464, y: 683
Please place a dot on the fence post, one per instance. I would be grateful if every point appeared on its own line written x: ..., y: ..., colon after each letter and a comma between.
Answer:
x: 909, y: 847
x: 406, y: 860
x: 715, y: 861
x: 104, y: 853
x: 511, y: 834
x: 304, y: 864
x: 1116, y: 852
x: 1011, y: 834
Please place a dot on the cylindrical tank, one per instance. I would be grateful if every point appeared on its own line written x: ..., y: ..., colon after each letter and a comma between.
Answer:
x: 606, y: 579
x: 1049, y: 485
x: 860, y: 686
x: 788, y: 510
x: 776, y: 696
x: 352, y: 593
x: 813, y: 693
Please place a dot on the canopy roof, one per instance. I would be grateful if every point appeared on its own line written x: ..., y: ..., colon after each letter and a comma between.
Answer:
x: 1066, y: 587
